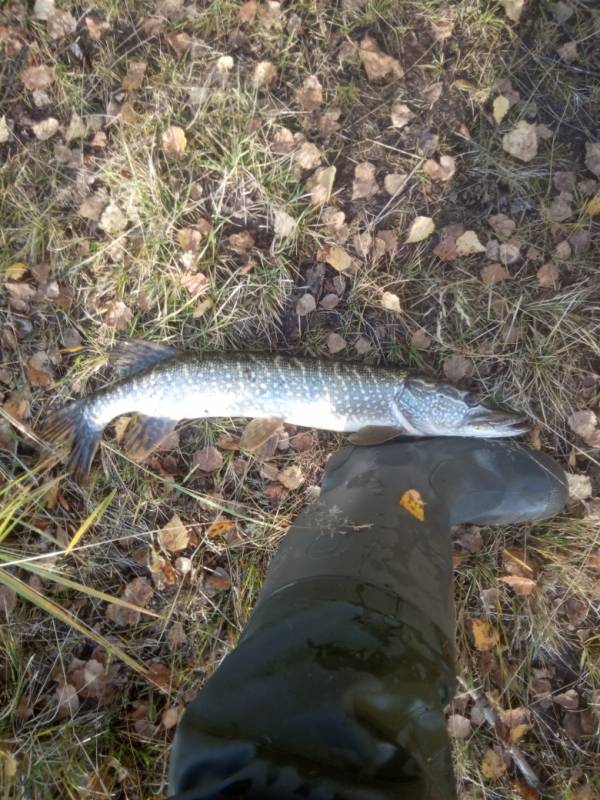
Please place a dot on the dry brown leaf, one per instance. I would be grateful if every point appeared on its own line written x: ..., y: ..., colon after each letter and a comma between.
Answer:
x: 138, y: 591
x: 457, y: 367
x: 174, y: 141
x: 364, y: 185
x: 43, y: 8
x: 443, y: 170
x: 291, y: 477
x: 20, y: 295
x: 265, y: 74
x: 118, y: 315
x: 518, y: 732
x: 320, y: 185
x: 568, y: 52
x: 513, y: 8
x: 170, y: 718
x: 96, y: 27
x: 335, y: 256
x: 45, y: 128
x: 548, y: 275
x: 459, y: 727
x: 433, y: 92
x: 420, y: 229
x: 568, y: 699
x: 208, y: 459
x: 284, y: 224
x: 174, y: 535
x: 520, y: 585
x: 242, y: 242
x: 219, y: 527
x: 335, y: 344
x: 310, y: 97
x: 328, y: 122
x: 308, y: 156
x: 394, y: 182
x: 194, y: 282
x: 60, y: 23
x: 391, y: 302
x: 135, y: 76
x: 217, y: 581
x: 468, y: 244
x: 583, y: 423
x: 301, y: 442
x: 509, y: 253
x: 560, y: 208
x: 484, y: 636
x: 39, y: 370
x: 377, y: 63
x: 494, y: 273
x: 446, y: 249
x: 305, y: 305
x: 493, y: 765
x: 503, y: 226
x: 248, y: 11
x: 580, y: 486
x: 500, y: 108
x: 4, y: 130
x: 521, y: 142
x: 180, y: 41
x: 112, y: 220
x: 592, y: 157
x: 67, y: 700
x: 37, y: 78
x: 93, y: 205
x: 401, y: 115
x: 258, y: 431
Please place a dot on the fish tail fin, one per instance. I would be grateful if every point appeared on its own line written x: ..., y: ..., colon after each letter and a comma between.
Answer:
x: 74, y: 423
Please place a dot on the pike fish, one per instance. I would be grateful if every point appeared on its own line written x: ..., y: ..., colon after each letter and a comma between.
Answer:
x: 164, y: 385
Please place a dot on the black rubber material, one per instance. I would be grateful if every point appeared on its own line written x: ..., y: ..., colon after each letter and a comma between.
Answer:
x: 337, y: 687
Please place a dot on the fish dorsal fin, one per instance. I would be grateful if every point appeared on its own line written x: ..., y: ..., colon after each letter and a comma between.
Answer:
x: 144, y: 434
x: 375, y: 434
x: 130, y: 356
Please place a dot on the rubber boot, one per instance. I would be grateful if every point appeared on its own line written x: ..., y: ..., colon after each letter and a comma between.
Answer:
x: 337, y: 687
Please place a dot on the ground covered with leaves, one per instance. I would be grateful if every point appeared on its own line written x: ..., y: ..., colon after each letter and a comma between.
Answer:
x: 404, y: 183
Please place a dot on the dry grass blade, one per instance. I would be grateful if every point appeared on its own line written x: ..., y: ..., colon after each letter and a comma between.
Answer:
x: 94, y: 516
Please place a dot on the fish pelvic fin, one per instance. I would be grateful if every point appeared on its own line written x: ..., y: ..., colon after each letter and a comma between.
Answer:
x: 73, y: 424
x: 130, y: 356
x: 145, y: 434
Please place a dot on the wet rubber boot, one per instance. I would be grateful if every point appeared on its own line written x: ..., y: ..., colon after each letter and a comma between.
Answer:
x: 337, y: 687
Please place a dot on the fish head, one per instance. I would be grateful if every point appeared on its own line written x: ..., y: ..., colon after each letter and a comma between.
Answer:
x: 427, y: 408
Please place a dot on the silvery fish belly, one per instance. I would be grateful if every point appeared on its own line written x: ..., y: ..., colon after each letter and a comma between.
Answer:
x: 165, y: 386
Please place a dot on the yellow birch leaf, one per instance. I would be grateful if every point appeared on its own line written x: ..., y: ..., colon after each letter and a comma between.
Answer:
x: 412, y: 502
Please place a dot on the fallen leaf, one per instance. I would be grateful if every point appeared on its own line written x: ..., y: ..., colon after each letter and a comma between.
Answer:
x: 401, y: 115
x: 219, y: 527
x: 291, y: 477
x: 580, y: 486
x: 548, y: 275
x: 96, y: 27
x: 112, y: 220
x: 443, y: 27
x: 135, y: 75
x: 248, y: 11
x: 568, y: 52
x: 420, y: 229
x: 45, y: 128
x: 40, y: 77
x: 413, y: 502
x: 446, y: 249
x: 93, y: 205
x: 265, y: 74
x: 138, y: 591
x: 335, y: 344
x: 284, y: 224
x: 521, y: 586
x: 242, y: 242
x: 320, y: 185
x: 484, y: 636
x: 118, y: 315
x: 100, y: 140
x: 76, y: 129
x: 457, y: 367
x: 513, y: 9
x: 521, y: 142
x: 310, y: 97
x: 459, y: 727
x: 159, y: 673
x: 335, y: 256
x: 563, y: 12
x: 420, y: 340
x: 377, y: 64
x: 433, y: 92
x: 560, y: 208
x: 39, y: 370
x: 503, y: 226
x: 394, y: 182
x: 583, y: 423
x: 500, y: 108
x: 568, y: 699
x: 364, y: 185
x: 4, y: 130
x: 391, y: 302
x: 174, y: 141
x: 20, y: 295
x: 217, y: 581
x: 440, y: 171
x: 592, y: 157
x: 180, y: 41
x: 60, y: 23
x: 170, y: 718
x: 592, y: 207
x: 258, y: 431
x: 67, y: 700
x: 308, y: 156
x: 518, y: 732
x: 509, y: 253
x: 208, y: 459
x: 174, y: 535
x: 43, y: 8
x: 328, y: 122
x: 362, y: 346
x: 305, y: 305
x: 494, y: 273
x: 468, y: 244
x: 493, y: 765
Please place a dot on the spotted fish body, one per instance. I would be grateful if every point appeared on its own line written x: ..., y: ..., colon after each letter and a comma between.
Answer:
x: 166, y: 386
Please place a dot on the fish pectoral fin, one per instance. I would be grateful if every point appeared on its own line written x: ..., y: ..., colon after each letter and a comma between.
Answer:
x: 144, y: 435
x: 375, y: 434
x: 130, y: 356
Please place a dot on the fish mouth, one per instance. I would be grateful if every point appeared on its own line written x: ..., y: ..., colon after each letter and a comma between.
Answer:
x: 493, y: 422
